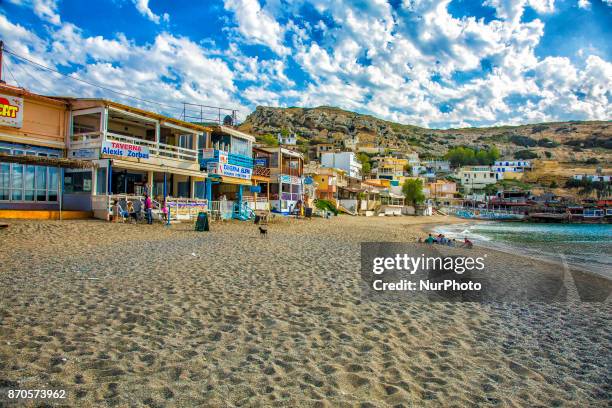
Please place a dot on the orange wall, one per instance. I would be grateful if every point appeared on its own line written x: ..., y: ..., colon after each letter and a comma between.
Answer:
x: 44, y: 123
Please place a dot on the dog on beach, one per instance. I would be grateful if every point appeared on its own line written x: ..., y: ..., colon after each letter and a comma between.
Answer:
x: 263, y: 232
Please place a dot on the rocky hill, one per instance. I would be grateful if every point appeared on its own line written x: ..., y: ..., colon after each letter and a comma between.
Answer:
x: 564, y: 141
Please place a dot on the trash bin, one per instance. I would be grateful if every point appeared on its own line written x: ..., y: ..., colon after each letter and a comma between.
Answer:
x: 202, y: 222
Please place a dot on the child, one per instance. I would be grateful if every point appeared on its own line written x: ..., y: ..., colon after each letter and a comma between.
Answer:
x: 165, y: 212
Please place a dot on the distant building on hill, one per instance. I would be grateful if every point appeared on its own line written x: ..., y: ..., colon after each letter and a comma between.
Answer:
x: 476, y: 177
x: 290, y: 140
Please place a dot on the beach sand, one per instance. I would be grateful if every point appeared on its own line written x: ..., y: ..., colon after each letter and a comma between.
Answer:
x: 137, y: 315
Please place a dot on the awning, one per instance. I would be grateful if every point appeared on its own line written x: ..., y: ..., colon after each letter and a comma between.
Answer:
x: 231, y: 180
x: 140, y: 166
x: 48, y: 161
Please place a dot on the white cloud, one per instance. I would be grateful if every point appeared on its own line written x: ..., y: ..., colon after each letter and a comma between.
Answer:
x: 143, y: 8
x: 44, y: 9
x: 512, y: 10
x: 584, y: 4
x: 404, y: 64
x: 256, y: 26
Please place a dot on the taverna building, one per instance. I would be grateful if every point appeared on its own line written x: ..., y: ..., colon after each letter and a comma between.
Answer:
x: 135, y: 152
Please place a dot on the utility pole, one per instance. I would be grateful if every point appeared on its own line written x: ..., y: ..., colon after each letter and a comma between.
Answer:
x: 1, y: 52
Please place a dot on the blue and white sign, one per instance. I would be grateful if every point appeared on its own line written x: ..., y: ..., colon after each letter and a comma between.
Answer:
x: 230, y: 170
x: 261, y: 162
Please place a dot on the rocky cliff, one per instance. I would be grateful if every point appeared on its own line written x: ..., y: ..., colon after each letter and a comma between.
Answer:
x: 564, y: 141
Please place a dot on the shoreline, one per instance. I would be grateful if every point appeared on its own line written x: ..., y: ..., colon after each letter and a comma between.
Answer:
x: 509, y: 249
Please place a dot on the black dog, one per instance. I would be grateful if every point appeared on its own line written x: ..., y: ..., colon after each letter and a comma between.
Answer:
x: 263, y: 232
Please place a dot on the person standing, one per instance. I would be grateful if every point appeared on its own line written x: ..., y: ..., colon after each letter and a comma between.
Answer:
x: 148, y: 207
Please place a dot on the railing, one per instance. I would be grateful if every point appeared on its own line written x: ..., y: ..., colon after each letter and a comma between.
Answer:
x: 157, y: 149
x: 261, y: 171
x: 186, y: 208
x: 221, y: 210
x: 261, y: 204
x: 84, y: 140
x: 290, y: 171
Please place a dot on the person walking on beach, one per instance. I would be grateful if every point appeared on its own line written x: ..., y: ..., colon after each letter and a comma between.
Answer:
x: 148, y: 206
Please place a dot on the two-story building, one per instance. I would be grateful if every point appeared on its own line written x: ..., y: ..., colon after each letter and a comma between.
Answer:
x: 346, y: 161
x: 475, y: 177
x: 229, y: 165
x: 286, y: 179
x: 135, y: 152
x: 389, y: 168
x: 32, y: 142
x: 510, y: 169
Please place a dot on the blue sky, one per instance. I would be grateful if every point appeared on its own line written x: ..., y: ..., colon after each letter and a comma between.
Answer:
x: 436, y: 63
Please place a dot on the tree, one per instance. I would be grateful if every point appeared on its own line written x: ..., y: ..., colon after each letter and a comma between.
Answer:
x: 269, y: 139
x: 461, y: 156
x: 366, y: 166
x: 413, y: 191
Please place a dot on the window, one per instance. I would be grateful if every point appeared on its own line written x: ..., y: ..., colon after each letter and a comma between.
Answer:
x: 20, y: 182
x: 17, y: 182
x: 77, y: 182
x: 5, y: 177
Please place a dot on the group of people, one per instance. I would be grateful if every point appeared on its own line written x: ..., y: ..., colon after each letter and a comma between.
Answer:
x: 442, y: 240
x: 134, y: 209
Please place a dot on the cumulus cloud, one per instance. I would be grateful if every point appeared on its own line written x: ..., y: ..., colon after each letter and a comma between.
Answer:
x: 256, y: 26
x: 413, y: 63
x: 143, y: 8
x: 45, y: 9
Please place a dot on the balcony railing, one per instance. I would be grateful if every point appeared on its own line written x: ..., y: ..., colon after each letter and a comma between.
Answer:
x: 85, y: 140
x: 290, y: 171
x: 157, y: 149
x: 260, y: 171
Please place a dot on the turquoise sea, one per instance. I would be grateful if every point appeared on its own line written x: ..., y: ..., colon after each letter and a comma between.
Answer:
x: 584, y: 246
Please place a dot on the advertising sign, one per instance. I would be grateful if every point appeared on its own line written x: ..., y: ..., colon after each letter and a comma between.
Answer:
x: 261, y: 162
x: 11, y: 111
x: 208, y: 153
x: 125, y: 150
x: 230, y: 170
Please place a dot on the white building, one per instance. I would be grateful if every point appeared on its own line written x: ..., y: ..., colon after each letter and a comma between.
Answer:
x: 476, y: 177
x: 290, y: 140
x: 346, y: 161
x: 516, y: 166
x: 592, y: 177
x: 438, y: 165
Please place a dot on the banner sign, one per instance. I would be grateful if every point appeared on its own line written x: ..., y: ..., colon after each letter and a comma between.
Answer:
x: 230, y: 170
x: 11, y: 111
x: 255, y: 189
x: 125, y: 150
x: 286, y: 179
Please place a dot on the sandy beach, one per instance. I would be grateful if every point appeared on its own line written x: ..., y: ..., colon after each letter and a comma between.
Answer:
x: 137, y: 315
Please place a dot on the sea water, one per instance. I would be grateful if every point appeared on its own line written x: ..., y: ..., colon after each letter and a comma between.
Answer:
x: 582, y: 246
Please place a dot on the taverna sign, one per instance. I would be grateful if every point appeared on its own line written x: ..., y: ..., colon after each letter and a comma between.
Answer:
x: 124, y: 150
